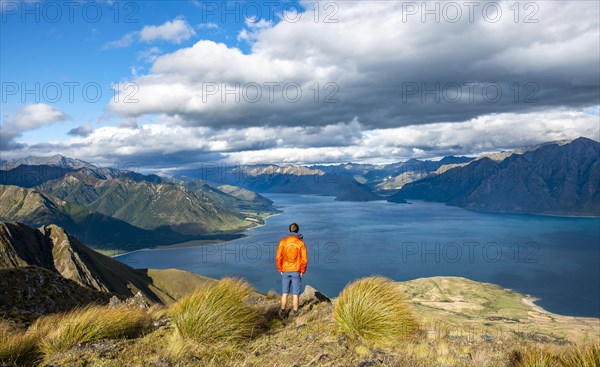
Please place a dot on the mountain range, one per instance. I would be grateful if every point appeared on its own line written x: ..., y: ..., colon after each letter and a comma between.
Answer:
x: 56, y: 160
x: 347, y: 182
x: 150, y: 205
x: 37, y: 208
x: 553, y: 178
x: 388, y: 178
x: 124, y: 210
x: 284, y: 179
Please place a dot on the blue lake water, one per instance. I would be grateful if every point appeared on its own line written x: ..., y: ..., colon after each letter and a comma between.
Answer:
x: 556, y: 259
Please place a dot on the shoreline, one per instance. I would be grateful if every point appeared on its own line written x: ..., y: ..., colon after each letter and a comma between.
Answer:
x: 198, y: 243
x: 529, y: 301
x: 182, y: 245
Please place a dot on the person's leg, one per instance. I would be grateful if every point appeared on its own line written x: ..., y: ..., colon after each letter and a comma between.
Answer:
x: 286, y: 282
x: 296, y: 288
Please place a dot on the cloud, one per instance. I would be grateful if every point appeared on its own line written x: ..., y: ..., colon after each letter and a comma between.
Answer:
x: 122, y: 42
x: 484, y: 134
x: 378, y: 84
x: 208, y: 25
x: 253, y: 27
x: 81, y: 130
x: 30, y: 117
x: 174, y: 31
x: 149, y: 55
x: 164, y: 145
x: 33, y: 116
x: 128, y: 124
x: 380, y: 65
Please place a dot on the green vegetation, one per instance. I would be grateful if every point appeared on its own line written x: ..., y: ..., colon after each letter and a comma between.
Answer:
x: 89, y: 324
x: 125, y: 214
x: 151, y: 205
x: 375, y: 310
x: 36, y: 208
x: 217, y: 312
x: 244, y: 201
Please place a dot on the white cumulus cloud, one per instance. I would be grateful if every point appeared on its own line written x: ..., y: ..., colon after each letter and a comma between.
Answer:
x: 29, y: 117
x: 174, y: 31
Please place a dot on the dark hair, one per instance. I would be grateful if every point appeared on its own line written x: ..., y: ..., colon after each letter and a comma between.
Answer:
x: 294, y: 228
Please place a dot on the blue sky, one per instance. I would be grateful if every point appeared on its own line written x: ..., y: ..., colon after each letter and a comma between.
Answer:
x: 379, y: 81
x: 50, y: 42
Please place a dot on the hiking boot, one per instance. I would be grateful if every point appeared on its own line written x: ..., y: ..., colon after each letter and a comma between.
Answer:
x: 296, y: 313
x: 281, y: 313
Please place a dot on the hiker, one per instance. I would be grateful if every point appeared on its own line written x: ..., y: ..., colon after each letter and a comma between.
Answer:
x: 291, y: 262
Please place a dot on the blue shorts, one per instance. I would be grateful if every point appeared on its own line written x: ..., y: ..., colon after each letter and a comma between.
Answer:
x: 292, y: 279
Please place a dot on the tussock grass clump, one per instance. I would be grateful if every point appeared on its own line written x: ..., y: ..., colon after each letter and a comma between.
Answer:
x: 374, y: 309
x: 217, y: 312
x: 91, y: 323
x: 17, y: 347
x: 178, y: 347
x: 587, y: 355
x: 579, y: 355
x: 534, y: 357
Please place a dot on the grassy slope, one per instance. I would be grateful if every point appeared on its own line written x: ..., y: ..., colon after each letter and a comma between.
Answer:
x: 36, y: 208
x: 175, y: 283
x: 148, y: 205
x: 478, y: 330
x: 459, y: 305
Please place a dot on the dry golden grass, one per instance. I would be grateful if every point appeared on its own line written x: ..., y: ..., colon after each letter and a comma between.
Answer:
x: 43, y: 325
x: 312, y: 340
x: 271, y: 294
x: 206, y: 329
x: 584, y: 355
x: 178, y: 347
x: 217, y: 312
x: 17, y: 347
x: 374, y: 309
x: 578, y: 355
x: 90, y: 323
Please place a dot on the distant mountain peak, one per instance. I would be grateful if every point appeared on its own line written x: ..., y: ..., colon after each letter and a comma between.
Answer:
x: 56, y: 160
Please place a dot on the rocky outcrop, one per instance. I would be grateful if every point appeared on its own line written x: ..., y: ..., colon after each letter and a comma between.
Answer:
x: 52, y: 248
x: 31, y: 291
x: 310, y: 297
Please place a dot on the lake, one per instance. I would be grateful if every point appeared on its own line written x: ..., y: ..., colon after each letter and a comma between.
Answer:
x: 556, y: 259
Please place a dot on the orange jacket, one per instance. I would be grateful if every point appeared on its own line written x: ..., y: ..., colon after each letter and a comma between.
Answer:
x: 291, y: 255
